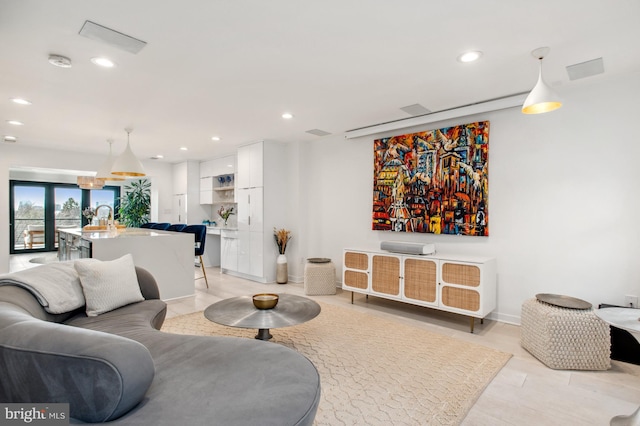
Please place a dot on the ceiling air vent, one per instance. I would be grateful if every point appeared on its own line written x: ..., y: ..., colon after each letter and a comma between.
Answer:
x: 318, y: 132
x: 111, y: 37
x: 585, y: 69
x: 415, y: 110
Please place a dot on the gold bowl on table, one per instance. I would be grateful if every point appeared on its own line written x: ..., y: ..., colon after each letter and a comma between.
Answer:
x: 265, y: 300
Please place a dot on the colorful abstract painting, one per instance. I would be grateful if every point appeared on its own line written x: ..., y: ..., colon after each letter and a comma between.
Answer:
x: 433, y: 182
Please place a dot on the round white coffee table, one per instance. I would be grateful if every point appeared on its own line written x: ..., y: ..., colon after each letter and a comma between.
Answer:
x: 626, y: 319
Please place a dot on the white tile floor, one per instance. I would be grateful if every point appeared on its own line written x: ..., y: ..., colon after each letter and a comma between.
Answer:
x: 525, y: 392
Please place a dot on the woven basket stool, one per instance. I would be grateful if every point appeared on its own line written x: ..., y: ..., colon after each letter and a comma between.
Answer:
x: 319, y: 279
x: 564, y: 338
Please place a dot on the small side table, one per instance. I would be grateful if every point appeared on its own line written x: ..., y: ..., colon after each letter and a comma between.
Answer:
x: 319, y: 277
x: 626, y: 319
x: 564, y: 333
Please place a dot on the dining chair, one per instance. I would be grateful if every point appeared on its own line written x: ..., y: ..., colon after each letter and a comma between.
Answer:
x: 177, y: 227
x: 161, y: 226
x: 147, y: 225
x: 200, y: 234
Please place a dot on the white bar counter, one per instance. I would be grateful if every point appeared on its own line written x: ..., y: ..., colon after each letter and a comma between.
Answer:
x: 168, y: 256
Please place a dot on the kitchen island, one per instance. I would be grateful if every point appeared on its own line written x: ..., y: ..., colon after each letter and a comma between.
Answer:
x: 168, y: 256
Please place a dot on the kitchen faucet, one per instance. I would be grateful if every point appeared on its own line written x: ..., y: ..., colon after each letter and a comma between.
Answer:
x: 110, y: 218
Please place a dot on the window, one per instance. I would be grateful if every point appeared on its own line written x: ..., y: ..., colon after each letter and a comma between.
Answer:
x: 39, y: 209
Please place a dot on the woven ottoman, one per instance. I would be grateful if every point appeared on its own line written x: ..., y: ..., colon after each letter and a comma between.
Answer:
x: 564, y: 338
x: 319, y: 278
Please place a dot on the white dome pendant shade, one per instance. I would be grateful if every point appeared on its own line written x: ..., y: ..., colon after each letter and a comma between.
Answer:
x: 104, y: 172
x: 542, y: 98
x: 127, y: 164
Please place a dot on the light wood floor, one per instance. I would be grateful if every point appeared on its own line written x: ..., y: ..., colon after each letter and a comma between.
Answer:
x: 525, y: 392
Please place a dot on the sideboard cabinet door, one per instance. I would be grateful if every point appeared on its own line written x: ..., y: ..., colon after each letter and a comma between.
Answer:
x: 385, y: 275
x: 355, y: 276
x: 421, y: 281
x: 460, y: 286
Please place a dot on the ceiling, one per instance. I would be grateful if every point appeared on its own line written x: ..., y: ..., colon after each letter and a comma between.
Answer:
x: 231, y: 68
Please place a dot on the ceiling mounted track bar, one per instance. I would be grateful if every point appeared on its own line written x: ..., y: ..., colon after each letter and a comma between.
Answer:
x: 462, y: 111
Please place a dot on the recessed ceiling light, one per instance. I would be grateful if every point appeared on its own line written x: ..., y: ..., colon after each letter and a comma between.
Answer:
x: 183, y: 148
x: 157, y: 157
x: 470, y: 56
x: 15, y: 122
x: 10, y: 138
x: 215, y: 138
x: 287, y: 115
x: 60, y: 61
x: 20, y: 101
x: 103, y: 62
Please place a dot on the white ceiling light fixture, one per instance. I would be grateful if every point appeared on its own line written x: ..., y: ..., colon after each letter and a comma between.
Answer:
x: 184, y: 148
x: 470, y: 56
x: 10, y: 139
x: 287, y: 116
x: 215, y: 138
x: 104, y: 172
x: 60, y: 61
x: 542, y: 98
x: 15, y: 122
x: 20, y: 101
x: 103, y: 62
x: 127, y: 164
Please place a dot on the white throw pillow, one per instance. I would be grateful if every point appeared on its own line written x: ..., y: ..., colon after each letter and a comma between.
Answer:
x: 108, y: 285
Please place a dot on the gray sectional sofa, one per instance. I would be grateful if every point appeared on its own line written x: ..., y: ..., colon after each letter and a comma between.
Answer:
x: 119, y: 368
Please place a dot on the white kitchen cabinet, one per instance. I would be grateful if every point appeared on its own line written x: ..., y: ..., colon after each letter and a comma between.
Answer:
x: 455, y: 283
x: 207, y: 168
x: 250, y: 209
x: 250, y: 253
x: 224, y: 165
x: 206, y: 190
x: 186, y: 181
x: 250, y: 166
x: 261, y: 198
x: 179, y: 208
x: 212, y: 190
x: 228, y: 250
x: 180, y: 174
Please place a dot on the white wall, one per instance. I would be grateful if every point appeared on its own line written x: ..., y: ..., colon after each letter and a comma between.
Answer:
x: 14, y: 155
x: 562, y: 204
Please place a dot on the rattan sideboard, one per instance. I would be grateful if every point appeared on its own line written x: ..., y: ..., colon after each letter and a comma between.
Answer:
x: 455, y: 283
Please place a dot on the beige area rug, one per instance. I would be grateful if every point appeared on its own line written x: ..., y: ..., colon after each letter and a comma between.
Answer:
x: 377, y: 371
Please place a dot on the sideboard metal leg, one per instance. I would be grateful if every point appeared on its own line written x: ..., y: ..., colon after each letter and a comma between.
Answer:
x: 352, y: 297
x: 472, y: 323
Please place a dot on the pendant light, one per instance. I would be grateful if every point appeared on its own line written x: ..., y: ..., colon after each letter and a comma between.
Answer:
x: 127, y: 164
x: 542, y: 98
x: 90, y: 182
x: 104, y: 172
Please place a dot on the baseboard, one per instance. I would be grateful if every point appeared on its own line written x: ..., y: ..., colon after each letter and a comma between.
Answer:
x: 508, y: 319
x: 178, y: 298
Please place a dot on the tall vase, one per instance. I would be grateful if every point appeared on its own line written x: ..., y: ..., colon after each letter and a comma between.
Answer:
x: 282, y: 274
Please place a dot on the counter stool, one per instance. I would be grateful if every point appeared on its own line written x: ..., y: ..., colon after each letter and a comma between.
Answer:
x: 319, y: 277
x: 565, y: 338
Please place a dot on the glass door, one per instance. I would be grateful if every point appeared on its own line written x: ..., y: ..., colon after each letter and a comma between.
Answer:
x: 28, y: 208
x: 68, y: 212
